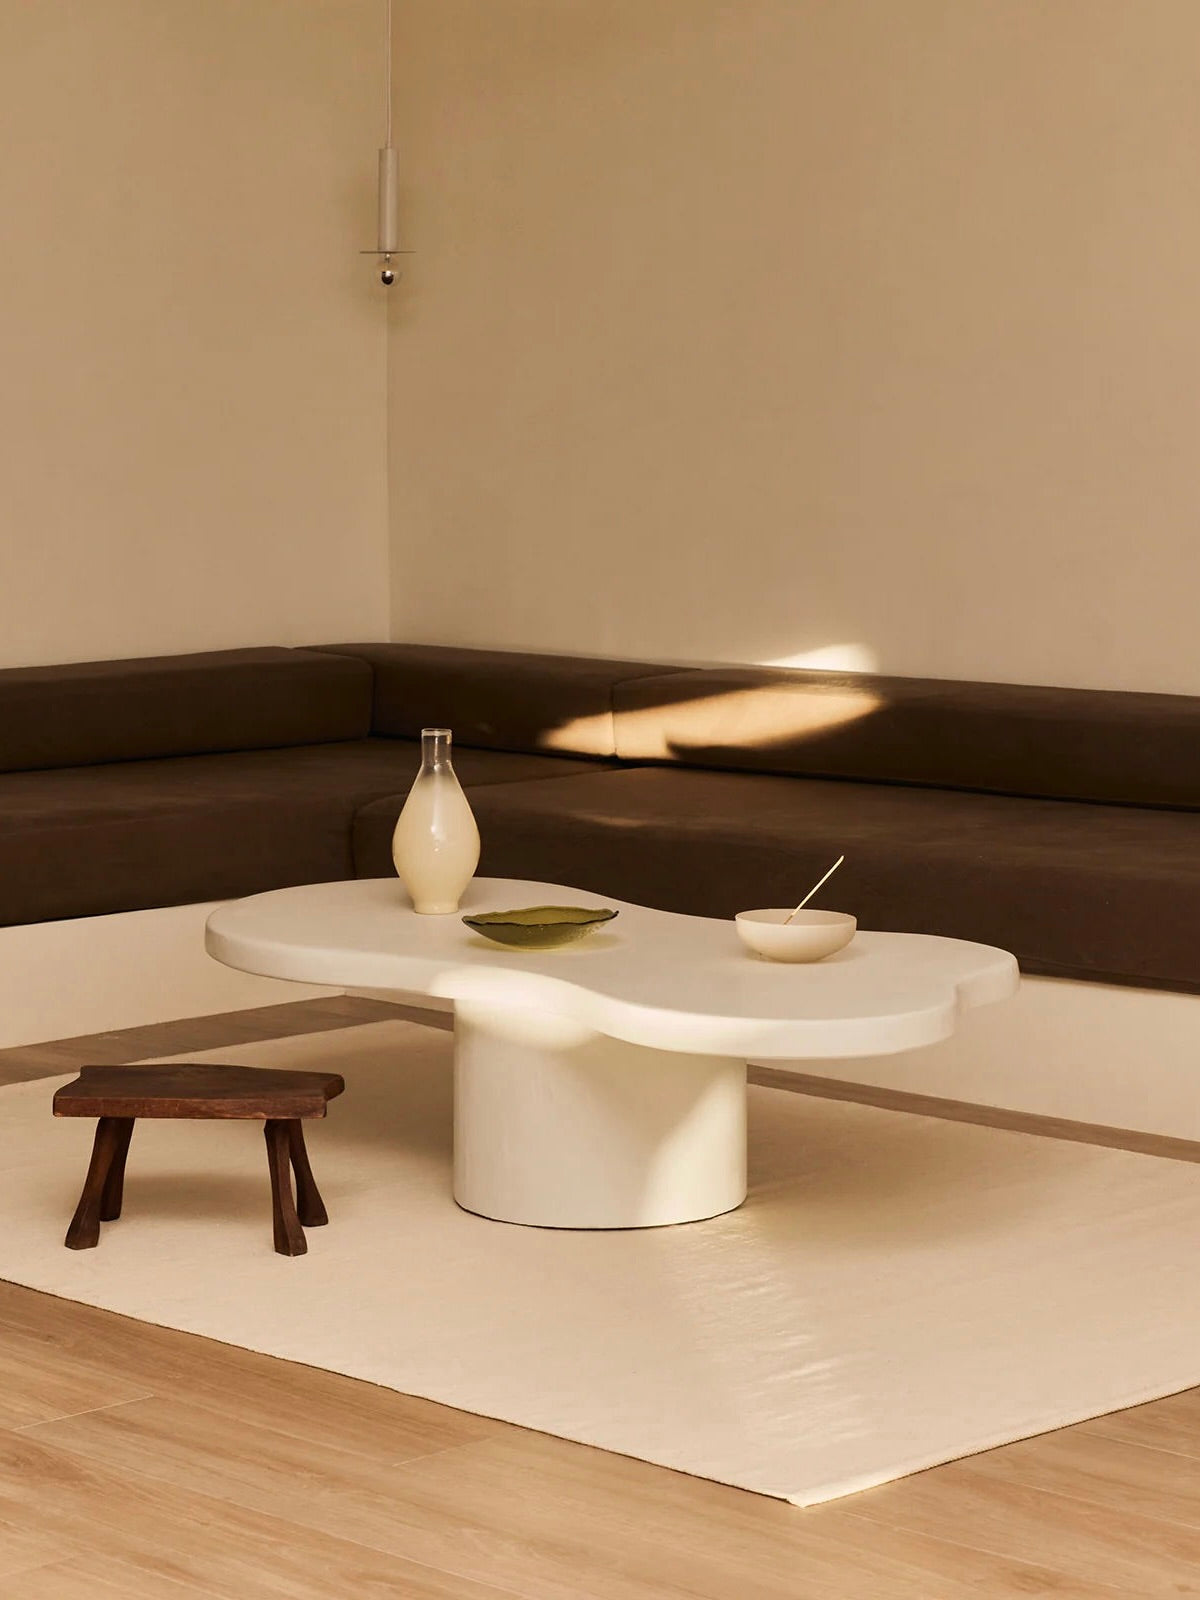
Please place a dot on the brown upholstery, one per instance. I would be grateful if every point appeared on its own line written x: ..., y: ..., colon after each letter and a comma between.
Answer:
x: 982, y: 811
x: 1076, y: 744
x: 1088, y: 891
x: 496, y: 699
x: 82, y: 841
x: 96, y: 711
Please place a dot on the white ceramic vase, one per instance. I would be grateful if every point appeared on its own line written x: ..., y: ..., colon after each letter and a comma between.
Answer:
x: 436, y: 843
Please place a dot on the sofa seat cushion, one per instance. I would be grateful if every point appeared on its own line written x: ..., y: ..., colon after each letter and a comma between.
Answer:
x: 1099, y: 892
x: 83, y: 841
x: 93, y: 711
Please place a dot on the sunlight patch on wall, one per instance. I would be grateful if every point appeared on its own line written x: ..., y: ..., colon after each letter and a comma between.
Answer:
x: 831, y: 658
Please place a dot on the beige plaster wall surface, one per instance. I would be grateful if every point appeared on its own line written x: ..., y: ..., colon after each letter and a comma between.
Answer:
x: 744, y: 329
x: 192, y: 356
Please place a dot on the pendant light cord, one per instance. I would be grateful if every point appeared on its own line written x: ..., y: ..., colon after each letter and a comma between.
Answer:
x: 388, y: 76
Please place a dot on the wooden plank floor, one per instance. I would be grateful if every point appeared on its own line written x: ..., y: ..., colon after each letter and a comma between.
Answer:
x: 141, y: 1464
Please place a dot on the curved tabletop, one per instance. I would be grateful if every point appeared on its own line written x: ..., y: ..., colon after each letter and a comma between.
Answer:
x: 651, y: 978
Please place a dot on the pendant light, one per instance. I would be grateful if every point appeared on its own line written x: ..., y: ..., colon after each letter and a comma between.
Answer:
x: 387, y: 242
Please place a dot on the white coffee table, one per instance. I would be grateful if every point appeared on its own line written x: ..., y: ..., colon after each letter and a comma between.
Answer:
x: 604, y: 1085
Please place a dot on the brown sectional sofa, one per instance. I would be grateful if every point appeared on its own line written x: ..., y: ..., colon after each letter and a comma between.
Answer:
x: 1062, y: 824
x: 127, y: 785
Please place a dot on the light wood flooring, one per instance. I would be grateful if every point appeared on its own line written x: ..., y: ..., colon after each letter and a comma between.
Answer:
x: 141, y: 1464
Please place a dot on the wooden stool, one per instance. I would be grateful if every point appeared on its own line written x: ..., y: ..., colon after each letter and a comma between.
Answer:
x: 119, y: 1095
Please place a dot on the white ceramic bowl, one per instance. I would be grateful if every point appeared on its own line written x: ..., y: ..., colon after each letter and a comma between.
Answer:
x: 811, y: 937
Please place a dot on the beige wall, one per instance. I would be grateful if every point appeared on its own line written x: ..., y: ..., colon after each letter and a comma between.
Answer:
x: 192, y: 357
x: 747, y: 328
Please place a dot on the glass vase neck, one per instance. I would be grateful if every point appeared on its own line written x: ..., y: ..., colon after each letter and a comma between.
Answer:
x: 435, y: 750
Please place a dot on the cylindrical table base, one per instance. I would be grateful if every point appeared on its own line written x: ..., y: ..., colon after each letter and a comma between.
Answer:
x: 558, y: 1127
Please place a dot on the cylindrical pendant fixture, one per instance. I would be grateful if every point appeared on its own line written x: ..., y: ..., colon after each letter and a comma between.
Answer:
x: 389, y: 209
x: 387, y: 233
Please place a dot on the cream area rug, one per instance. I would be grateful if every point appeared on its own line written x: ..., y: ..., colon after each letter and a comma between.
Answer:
x: 896, y: 1292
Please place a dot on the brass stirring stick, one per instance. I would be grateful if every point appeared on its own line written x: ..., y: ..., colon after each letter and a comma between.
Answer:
x: 814, y: 889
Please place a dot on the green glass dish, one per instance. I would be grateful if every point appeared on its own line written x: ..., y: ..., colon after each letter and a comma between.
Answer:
x: 539, y: 927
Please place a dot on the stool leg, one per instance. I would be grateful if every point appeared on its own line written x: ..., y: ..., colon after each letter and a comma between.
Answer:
x: 114, y: 1184
x: 289, y: 1235
x: 308, y: 1197
x: 84, y: 1232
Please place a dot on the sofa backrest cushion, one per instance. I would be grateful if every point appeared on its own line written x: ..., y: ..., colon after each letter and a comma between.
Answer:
x: 496, y: 699
x: 94, y: 711
x: 1076, y: 744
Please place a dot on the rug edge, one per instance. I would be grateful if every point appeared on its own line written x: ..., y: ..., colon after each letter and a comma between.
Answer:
x: 842, y: 1488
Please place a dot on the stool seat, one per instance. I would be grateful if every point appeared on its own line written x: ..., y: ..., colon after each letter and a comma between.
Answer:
x: 203, y: 1089
x: 281, y: 1101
